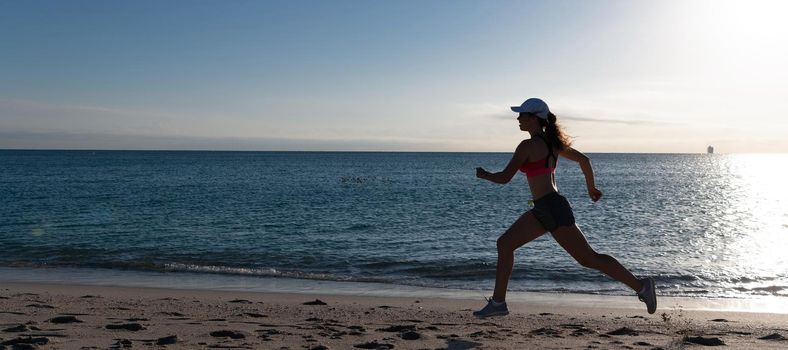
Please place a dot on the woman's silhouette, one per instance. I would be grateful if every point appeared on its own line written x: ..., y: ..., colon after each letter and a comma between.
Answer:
x: 537, y: 158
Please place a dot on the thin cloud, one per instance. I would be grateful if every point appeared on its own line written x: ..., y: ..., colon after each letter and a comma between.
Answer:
x: 35, y: 106
x: 563, y: 116
x: 618, y: 121
x: 109, y: 141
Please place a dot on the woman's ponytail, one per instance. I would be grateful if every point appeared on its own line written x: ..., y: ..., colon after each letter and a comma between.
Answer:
x: 554, y: 133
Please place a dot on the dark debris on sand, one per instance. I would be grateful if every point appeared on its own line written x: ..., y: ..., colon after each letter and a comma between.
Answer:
x: 240, y: 301
x: 17, y: 329
x: 400, y: 328
x: 410, y: 335
x: 711, y: 341
x: 169, y: 340
x: 228, y: 334
x: 315, y: 302
x: 374, y: 345
x: 624, y: 331
x: 547, y: 331
x: 65, y: 319
x: 122, y: 343
x: 774, y: 336
x: 126, y: 326
x: 27, y: 340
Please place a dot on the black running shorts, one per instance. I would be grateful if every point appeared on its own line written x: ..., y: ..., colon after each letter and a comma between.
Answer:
x: 553, y: 211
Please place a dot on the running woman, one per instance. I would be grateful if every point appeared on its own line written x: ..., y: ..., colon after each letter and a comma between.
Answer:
x: 537, y: 157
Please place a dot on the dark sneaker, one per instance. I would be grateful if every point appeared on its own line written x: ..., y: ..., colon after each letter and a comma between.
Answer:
x: 649, y: 294
x: 492, y: 310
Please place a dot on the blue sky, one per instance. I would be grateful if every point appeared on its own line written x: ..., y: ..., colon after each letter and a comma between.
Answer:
x: 623, y: 76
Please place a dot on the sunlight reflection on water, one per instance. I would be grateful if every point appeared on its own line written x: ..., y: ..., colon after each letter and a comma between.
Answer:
x: 759, y: 246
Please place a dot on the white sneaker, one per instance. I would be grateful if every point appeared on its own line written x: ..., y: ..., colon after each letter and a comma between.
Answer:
x: 492, y: 309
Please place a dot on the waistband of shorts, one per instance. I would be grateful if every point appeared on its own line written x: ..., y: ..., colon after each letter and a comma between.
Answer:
x: 548, y: 197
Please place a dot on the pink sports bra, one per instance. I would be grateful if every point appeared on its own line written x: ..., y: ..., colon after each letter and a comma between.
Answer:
x: 536, y: 168
x: 541, y: 166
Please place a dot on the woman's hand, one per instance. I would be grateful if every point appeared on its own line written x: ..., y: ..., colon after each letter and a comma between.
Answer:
x: 481, y: 173
x: 594, y: 193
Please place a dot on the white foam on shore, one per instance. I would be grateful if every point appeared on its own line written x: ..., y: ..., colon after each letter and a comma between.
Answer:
x: 199, y: 281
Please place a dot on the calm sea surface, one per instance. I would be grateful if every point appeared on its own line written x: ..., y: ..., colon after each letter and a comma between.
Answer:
x: 702, y: 225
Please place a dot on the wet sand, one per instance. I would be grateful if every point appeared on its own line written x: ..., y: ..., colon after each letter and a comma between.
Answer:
x: 63, y: 316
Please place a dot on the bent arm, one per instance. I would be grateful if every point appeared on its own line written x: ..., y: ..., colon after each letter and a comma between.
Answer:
x: 585, y: 165
x: 507, y: 174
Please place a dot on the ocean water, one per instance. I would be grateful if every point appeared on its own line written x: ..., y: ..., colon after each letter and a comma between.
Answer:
x: 702, y: 225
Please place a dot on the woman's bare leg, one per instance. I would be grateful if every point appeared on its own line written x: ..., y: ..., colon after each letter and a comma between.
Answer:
x: 575, y: 243
x: 522, y: 231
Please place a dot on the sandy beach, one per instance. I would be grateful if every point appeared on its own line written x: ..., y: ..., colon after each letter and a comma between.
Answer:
x: 63, y: 316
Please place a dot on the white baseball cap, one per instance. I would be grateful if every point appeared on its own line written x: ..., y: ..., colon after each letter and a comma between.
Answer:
x: 535, y: 106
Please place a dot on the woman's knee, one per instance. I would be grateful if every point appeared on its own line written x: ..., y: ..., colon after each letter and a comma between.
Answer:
x: 505, y: 244
x: 592, y: 261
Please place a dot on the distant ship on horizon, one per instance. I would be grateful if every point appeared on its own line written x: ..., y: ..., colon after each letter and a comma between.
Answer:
x: 710, y: 150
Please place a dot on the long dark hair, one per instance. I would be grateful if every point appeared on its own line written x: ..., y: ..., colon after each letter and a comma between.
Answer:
x: 555, y: 134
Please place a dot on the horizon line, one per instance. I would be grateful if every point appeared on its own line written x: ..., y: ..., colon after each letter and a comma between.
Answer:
x: 334, y: 151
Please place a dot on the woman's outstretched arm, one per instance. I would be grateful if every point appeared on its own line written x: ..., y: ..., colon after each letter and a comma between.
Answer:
x: 585, y: 165
x: 508, y: 173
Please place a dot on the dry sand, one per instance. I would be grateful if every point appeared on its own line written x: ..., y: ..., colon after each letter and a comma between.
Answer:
x: 59, y: 316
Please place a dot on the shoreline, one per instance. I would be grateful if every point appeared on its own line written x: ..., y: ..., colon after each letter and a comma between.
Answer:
x: 87, y: 277
x: 72, y: 316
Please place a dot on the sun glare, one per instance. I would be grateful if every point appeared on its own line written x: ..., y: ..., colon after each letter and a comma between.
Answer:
x: 738, y: 24
x: 762, y: 194
x: 734, y: 37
